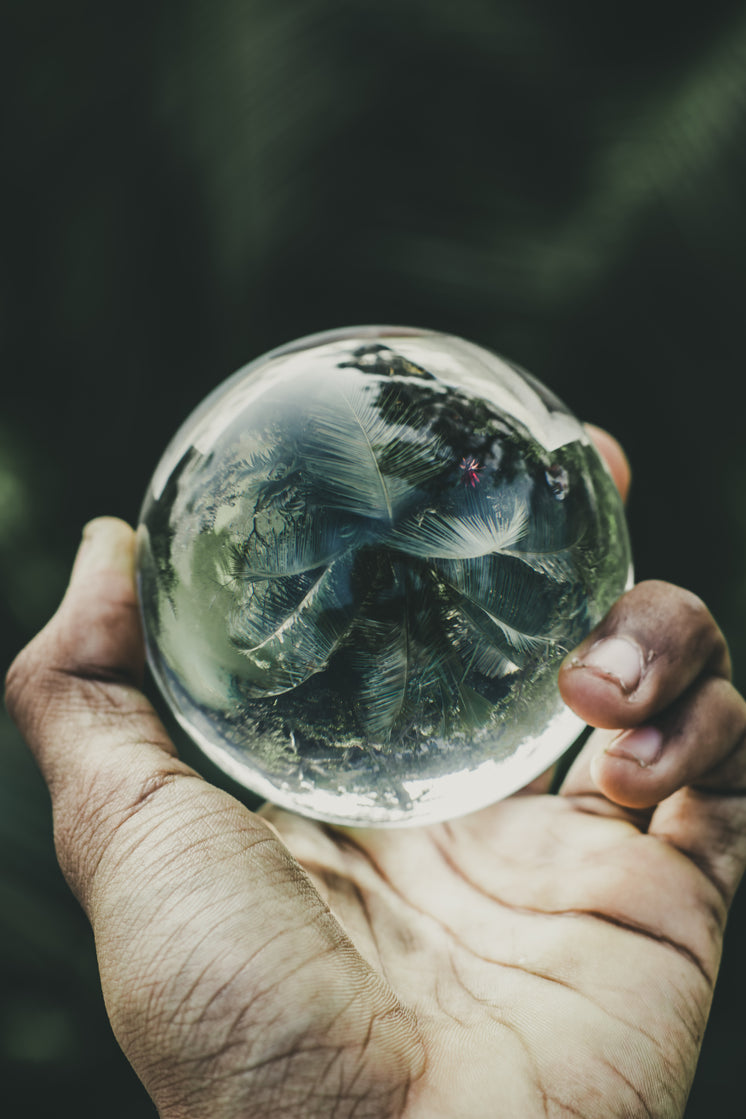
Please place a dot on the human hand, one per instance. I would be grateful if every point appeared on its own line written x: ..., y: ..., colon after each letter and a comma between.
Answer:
x: 550, y: 955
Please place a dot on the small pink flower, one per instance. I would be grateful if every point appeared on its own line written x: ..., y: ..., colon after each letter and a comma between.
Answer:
x: 471, y: 469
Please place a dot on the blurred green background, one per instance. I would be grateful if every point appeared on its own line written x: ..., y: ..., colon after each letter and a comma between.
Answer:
x: 188, y: 184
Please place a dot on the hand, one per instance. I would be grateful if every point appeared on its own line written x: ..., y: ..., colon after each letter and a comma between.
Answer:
x: 548, y: 956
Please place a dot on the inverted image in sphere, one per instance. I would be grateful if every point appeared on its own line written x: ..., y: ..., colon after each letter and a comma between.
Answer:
x: 361, y: 562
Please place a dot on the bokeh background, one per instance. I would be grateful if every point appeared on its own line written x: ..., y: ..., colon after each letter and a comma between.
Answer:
x: 187, y: 184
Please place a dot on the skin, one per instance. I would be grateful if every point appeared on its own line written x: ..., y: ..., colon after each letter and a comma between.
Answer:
x: 548, y: 956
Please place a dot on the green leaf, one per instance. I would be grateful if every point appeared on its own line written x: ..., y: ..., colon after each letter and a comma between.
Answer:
x: 299, y: 621
x: 285, y: 546
x: 490, y: 528
x: 461, y: 707
x: 508, y: 590
x: 383, y: 665
x: 559, y: 566
x: 356, y: 459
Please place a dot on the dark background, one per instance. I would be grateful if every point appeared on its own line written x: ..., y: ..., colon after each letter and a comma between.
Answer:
x: 188, y: 184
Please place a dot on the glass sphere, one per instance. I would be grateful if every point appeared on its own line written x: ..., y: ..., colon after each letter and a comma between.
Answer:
x: 361, y: 561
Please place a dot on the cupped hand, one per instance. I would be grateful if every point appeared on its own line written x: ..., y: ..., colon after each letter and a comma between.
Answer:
x: 552, y: 955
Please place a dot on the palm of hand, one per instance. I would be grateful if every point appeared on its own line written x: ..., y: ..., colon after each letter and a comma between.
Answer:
x: 543, y: 957
x: 550, y: 953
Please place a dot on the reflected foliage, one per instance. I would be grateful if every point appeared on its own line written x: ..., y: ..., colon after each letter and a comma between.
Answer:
x: 335, y: 605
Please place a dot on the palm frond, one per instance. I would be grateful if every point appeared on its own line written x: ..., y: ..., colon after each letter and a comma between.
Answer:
x: 354, y: 458
x: 560, y: 566
x: 382, y: 666
x: 260, y: 605
x: 482, y: 642
x: 292, y: 546
x: 459, y: 705
x: 432, y: 534
x: 505, y: 588
x: 286, y: 638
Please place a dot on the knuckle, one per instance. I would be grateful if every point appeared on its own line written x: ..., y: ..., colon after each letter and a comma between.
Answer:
x: 666, y: 608
x: 670, y: 597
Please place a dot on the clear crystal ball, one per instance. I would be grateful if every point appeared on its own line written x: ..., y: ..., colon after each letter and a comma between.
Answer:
x: 361, y: 561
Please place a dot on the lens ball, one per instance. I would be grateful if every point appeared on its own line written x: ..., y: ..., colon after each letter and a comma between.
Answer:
x: 361, y: 562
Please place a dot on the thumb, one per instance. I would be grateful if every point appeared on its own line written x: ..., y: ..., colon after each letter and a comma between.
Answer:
x: 219, y: 961
x: 74, y: 693
x: 107, y: 759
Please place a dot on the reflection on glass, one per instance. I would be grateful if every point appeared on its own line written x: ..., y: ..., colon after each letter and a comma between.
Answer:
x: 361, y: 562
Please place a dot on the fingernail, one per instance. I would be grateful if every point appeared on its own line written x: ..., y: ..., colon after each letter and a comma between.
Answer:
x: 642, y: 745
x: 107, y: 545
x: 618, y: 658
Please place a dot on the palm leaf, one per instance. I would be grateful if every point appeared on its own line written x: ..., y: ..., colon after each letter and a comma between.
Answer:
x: 354, y: 458
x: 292, y: 547
x: 482, y: 641
x: 559, y: 566
x: 297, y: 636
x: 382, y: 666
x: 399, y: 641
x: 460, y: 706
x: 478, y: 532
x: 506, y: 589
x: 260, y: 605
x: 384, y: 648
